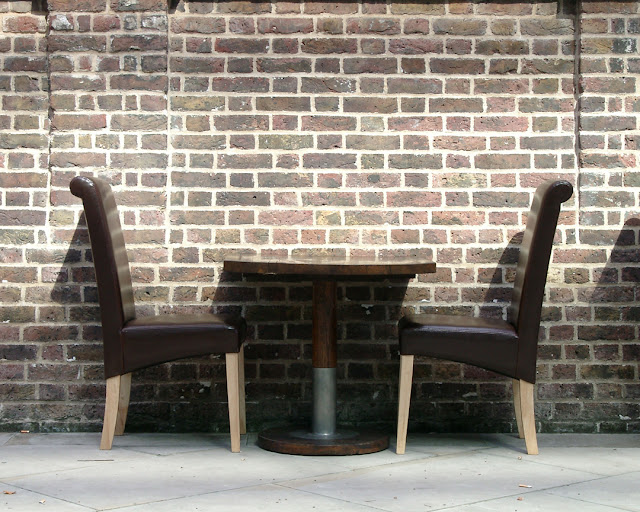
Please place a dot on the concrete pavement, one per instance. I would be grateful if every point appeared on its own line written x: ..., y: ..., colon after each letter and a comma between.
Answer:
x: 197, y: 472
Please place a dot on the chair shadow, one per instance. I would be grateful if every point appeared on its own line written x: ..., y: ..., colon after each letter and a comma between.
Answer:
x: 603, y: 361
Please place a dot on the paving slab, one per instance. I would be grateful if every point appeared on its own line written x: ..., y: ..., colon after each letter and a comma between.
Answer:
x: 147, y: 478
x: 535, y: 502
x: 622, y: 491
x: 21, y: 500
x: 440, y: 482
x: 265, y: 497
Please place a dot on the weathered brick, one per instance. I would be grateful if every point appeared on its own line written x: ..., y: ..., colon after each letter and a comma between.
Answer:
x: 79, y: 121
x: 607, y: 123
x: 457, y: 66
x: 77, y: 43
x: 237, y: 45
x: 415, y: 161
x: 284, y: 180
x: 501, y: 199
x: 608, y: 199
x: 137, y: 5
x: 413, y: 8
x: 22, y: 140
x: 283, y: 103
x: 24, y: 24
x: 289, y: 142
x: 25, y: 64
x: 547, y: 66
x: 329, y: 46
x: 546, y: 27
x: 285, y: 25
x: 197, y: 103
x: 373, y: 142
x: 327, y: 85
x: 284, y: 65
x: 328, y: 123
x: 546, y: 142
x: 415, y: 86
x: 138, y: 160
x: 415, y: 46
x: 332, y: 161
x: 204, y: 142
x: 370, y: 65
x: 414, y: 199
x: 79, y: 5
x: 240, y: 84
x: 501, y: 124
x: 455, y: 105
x: 104, y: 23
x: 503, y: 161
x: 243, y: 199
x: 197, y: 25
x: 196, y: 64
x: 143, y: 42
x: 501, y: 86
x: 285, y: 218
x: 78, y: 159
x: 371, y: 104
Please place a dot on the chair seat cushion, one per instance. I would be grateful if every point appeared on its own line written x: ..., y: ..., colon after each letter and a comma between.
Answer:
x: 485, y: 342
x: 161, y: 338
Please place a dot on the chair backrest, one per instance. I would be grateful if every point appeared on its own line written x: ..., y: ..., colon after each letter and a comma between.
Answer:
x: 111, y: 265
x: 531, y: 273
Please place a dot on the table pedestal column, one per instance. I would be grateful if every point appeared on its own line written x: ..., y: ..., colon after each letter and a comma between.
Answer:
x: 324, y: 438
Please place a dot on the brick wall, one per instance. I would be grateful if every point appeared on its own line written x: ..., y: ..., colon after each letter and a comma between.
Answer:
x: 389, y: 127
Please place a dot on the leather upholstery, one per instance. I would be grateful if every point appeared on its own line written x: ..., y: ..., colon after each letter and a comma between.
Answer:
x: 156, y: 339
x: 467, y: 340
x: 132, y: 343
x: 506, y: 347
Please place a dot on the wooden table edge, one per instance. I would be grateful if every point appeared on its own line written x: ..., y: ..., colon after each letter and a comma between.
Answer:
x: 347, y: 268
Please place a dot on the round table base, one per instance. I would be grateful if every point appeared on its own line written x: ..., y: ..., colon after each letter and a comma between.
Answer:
x: 303, y: 442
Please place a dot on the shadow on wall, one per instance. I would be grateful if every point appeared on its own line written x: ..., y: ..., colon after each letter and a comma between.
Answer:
x: 607, y: 349
x: 454, y: 397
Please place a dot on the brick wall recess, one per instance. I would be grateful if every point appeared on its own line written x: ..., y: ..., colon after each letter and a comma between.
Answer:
x: 372, y: 127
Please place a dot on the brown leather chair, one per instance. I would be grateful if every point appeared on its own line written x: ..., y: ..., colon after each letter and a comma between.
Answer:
x: 505, y: 347
x: 132, y: 343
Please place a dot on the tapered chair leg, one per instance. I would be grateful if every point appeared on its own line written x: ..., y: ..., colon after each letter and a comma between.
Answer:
x: 123, y: 403
x: 111, y: 407
x: 241, y: 392
x: 527, y: 414
x: 518, y: 407
x: 404, y: 397
x: 233, y: 394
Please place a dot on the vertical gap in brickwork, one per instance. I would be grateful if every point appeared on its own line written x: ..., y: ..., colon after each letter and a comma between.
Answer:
x: 171, y: 6
x: 577, y: 95
x: 47, y: 226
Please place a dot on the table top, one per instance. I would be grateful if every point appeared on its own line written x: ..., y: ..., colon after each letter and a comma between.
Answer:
x: 328, y: 265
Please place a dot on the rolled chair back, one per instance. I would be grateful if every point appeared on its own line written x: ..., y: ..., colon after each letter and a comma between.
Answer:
x: 531, y: 274
x: 111, y: 265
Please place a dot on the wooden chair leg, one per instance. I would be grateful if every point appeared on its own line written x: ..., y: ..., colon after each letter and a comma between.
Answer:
x: 518, y: 407
x: 528, y: 416
x: 123, y: 403
x: 404, y: 397
x: 110, y: 412
x: 241, y: 392
x: 233, y: 394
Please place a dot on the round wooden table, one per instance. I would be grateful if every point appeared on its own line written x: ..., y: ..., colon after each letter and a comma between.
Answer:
x: 324, y: 271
